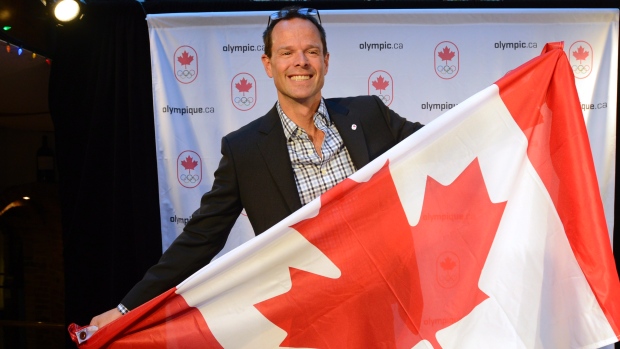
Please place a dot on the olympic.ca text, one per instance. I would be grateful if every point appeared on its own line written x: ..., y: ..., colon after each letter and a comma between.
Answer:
x: 188, y: 110
x: 515, y: 45
x: 381, y: 46
x: 179, y: 220
x: 243, y: 48
x: 437, y: 106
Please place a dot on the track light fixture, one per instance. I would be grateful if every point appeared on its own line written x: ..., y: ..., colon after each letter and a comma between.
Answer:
x: 67, y: 10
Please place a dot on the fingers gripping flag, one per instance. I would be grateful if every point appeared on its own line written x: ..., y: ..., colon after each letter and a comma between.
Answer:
x: 484, y: 229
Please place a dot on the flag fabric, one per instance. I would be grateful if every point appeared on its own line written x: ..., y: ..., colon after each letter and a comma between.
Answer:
x: 484, y: 229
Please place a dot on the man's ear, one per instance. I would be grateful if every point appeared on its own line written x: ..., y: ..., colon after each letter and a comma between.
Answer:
x: 267, y: 64
x: 326, y: 60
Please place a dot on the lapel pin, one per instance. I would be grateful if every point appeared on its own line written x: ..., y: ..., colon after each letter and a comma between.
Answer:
x: 354, y: 127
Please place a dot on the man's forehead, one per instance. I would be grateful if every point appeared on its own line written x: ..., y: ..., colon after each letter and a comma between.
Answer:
x: 291, y: 27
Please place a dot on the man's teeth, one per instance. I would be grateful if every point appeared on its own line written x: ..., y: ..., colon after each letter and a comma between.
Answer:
x: 300, y: 77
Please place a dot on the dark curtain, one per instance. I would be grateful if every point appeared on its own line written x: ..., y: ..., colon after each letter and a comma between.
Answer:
x: 102, y: 108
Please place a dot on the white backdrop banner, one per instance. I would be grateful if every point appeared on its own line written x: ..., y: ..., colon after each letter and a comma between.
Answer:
x: 208, y: 79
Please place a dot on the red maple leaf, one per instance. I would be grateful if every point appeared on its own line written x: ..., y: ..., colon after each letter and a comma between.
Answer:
x: 243, y: 86
x: 446, y: 54
x: 189, y: 163
x: 389, y: 270
x: 185, y: 59
x: 380, y: 83
x: 447, y: 263
x: 581, y: 54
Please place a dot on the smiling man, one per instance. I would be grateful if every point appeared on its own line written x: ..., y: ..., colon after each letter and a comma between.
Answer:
x: 297, y: 61
x: 271, y: 167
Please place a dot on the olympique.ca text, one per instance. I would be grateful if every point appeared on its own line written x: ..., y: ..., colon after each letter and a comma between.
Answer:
x: 188, y: 110
x: 592, y: 106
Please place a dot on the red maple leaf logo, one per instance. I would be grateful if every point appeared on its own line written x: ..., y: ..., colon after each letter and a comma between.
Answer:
x: 243, y: 86
x: 185, y: 59
x: 447, y: 263
x: 389, y: 270
x: 380, y: 83
x: 189, y: 163
x: 446, y: 54
x: 581, y: 54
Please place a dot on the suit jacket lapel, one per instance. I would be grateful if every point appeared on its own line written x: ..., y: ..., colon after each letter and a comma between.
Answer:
x: 350, y: 129
x: 272, y: 145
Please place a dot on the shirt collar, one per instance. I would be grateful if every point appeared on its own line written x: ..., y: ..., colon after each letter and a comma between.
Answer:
x: 290, y: 128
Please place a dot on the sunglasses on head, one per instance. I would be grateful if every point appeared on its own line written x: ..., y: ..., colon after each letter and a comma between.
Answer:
x: 308, y: 12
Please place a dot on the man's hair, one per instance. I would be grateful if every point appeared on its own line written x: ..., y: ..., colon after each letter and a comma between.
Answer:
x: 292, y: 13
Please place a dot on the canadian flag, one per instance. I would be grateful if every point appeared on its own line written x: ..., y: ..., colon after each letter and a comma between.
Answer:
x: 485, y: 229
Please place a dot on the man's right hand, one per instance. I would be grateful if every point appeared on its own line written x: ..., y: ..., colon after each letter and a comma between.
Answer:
x: 105, y: 318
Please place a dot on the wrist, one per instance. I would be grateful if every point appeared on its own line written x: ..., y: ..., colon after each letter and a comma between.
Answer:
x: 122, y: 309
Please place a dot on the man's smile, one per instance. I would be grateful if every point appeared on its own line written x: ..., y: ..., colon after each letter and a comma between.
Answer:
x: 300, y: 77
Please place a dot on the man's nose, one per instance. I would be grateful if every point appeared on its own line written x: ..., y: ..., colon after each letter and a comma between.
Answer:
x: 301, y: 59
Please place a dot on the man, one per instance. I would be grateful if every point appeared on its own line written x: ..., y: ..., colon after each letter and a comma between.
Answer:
x: 274, y: 165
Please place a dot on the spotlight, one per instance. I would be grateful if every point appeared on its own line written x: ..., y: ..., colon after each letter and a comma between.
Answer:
x: 66, y: 10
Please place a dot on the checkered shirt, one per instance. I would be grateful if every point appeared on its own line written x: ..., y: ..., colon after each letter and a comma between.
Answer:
x: 316, y: 174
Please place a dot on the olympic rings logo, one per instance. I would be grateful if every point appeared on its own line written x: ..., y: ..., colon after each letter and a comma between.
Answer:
x: 246, y: 101
x: 581, y: 69
x: 384, y: 98
x: 446, y: 69
x: 190, y: 178
x: 186, y: 74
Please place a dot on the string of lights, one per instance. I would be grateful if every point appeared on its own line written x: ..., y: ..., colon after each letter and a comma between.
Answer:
x: 64, y: 11
x: 21, y: 51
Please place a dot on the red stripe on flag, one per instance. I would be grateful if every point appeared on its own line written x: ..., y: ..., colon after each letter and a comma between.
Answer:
x: 164, y: 322
x: 542, y: 98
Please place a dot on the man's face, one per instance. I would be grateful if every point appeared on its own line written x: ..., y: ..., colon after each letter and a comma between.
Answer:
x: 297, y: 64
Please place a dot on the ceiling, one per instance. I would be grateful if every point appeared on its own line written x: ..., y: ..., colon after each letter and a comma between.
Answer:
x: 24, y: 78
